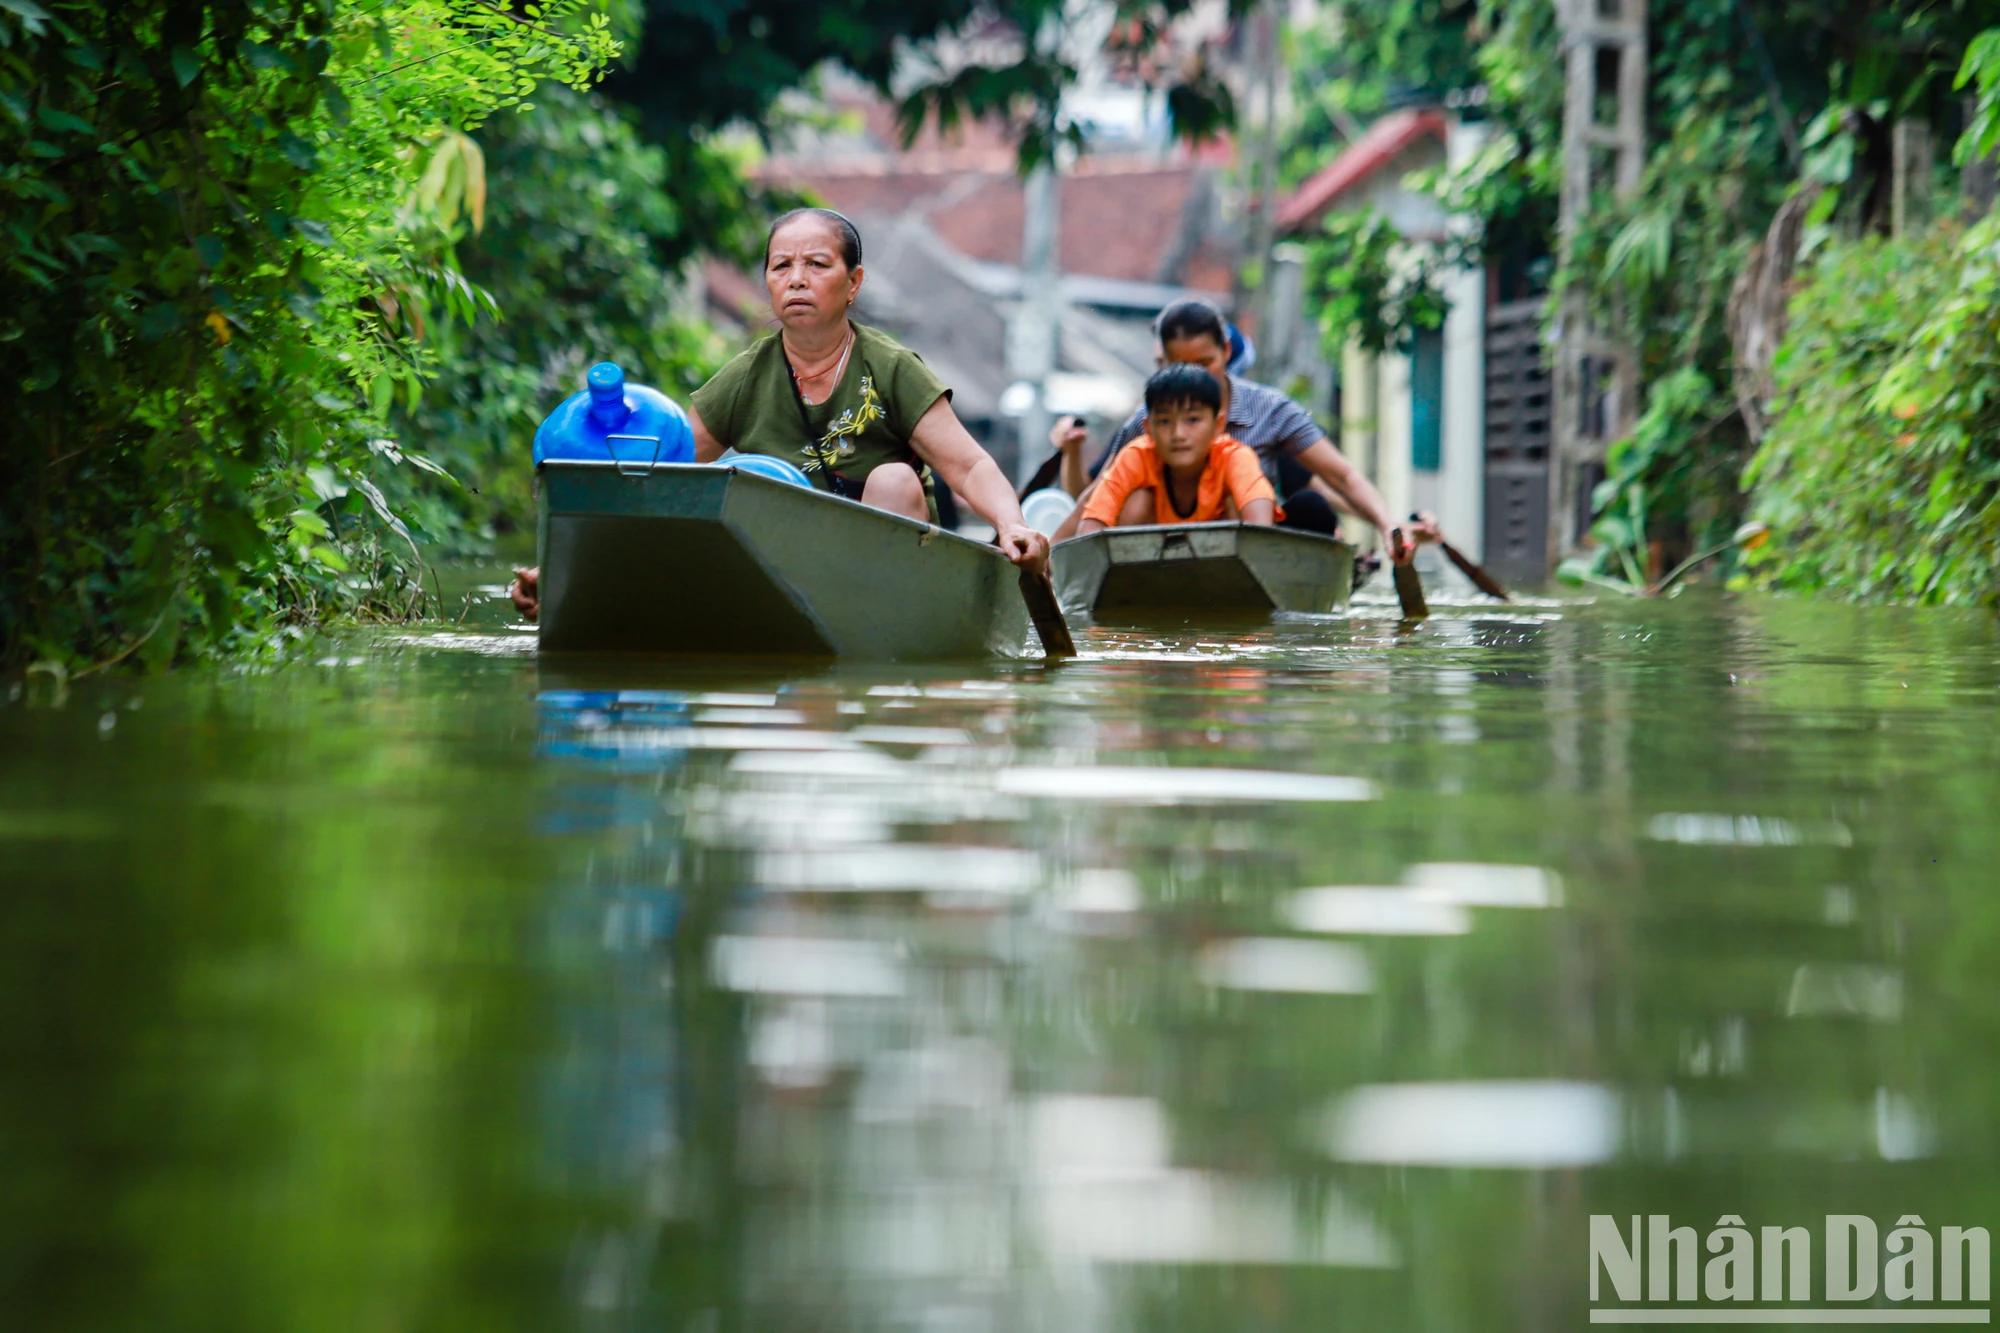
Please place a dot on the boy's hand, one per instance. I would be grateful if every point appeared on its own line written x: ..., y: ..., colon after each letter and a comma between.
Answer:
x: 1069, y: 433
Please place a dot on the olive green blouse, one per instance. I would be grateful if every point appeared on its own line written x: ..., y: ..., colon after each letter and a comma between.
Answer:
x: 753, y: 406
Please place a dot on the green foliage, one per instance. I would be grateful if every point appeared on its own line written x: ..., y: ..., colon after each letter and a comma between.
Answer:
x: 1880, y: 478
x: 1981, y: 69
x: 702, y: 64
x: 217, y: 261
x: 571, y: 254
x: 1368, y: 285
x: 1361, y: 59
x: 1657, y: 268
x: 1729, y: 80
x: 1355, y: 60
x: 1652, y: 474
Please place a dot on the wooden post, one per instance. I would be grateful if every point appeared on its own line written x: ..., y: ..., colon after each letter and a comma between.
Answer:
x: 1910, y: 174
x: 1596, y: 377
x: 1035, y: 330
x: 1980, y: 181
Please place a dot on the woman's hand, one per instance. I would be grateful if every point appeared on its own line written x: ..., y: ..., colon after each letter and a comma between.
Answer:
x: 940, y: 439
x: 1024, y: 546
x: 525, y: 592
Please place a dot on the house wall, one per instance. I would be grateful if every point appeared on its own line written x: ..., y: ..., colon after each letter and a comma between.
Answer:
x: 1393, y: 475
x: 1360, y: 390
x: 1375, y: 426
x: 1461, y: 503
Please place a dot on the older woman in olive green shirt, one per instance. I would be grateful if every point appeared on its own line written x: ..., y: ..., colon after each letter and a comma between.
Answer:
x: 860, y: 413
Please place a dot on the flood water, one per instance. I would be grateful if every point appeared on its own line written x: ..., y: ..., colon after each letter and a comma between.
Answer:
x: 1326, y: 975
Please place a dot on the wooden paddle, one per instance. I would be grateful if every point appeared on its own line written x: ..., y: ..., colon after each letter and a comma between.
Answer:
x: 1485, y: 582
x: 1409, y: 588
x: 1047, y: 614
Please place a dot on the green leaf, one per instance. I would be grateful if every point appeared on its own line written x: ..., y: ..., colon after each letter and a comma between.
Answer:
x: 330, y: 557
x: 315, y: 231
x: 159, y: 320
x: 33, y: 17
x: 325, y: 484
x: 64, y: 122
x: 186, y: 67
x: 298, y: 152
x: 261, y: 55
x: 335, y: 100
x: 380, y: 504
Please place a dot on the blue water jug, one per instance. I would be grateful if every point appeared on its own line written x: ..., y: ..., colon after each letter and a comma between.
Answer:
x: 624, y: 423
x: 765, y: 465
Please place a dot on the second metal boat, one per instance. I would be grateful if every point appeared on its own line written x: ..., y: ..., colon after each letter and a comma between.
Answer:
x: 1202, y: 568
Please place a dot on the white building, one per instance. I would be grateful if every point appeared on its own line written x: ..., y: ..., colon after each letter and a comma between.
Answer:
x: 1457, y: 421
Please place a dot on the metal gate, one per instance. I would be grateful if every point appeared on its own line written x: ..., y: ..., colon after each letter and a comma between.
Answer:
x: 1517, y: 443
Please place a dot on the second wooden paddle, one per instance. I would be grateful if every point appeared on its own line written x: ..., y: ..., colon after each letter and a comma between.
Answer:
x: 1485, y: 582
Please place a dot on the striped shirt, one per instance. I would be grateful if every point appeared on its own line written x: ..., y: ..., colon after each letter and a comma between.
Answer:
x: 1259, y: 416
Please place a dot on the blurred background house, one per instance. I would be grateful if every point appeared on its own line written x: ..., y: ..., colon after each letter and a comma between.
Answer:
x: 1456, y: 421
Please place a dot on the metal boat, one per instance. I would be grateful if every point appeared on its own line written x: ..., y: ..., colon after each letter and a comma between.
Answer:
x: 1193, y: 569
x: 712, y: 559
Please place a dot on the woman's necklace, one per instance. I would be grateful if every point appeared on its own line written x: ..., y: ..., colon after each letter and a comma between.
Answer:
x: 799, y: 381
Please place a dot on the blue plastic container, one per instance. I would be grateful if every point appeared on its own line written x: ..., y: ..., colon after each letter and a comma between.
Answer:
x: 624, y: 423
x: 765, y: 465
x: 1242, y: 352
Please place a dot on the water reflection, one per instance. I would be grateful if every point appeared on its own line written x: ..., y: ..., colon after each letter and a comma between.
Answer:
x: 1329, y: 974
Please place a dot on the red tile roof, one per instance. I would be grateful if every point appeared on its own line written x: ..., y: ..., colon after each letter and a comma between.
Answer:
x: 1379, y: 145
x: 1118, y: 220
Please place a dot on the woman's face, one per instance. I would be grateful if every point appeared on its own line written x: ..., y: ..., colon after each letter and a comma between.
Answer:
x: 1200, y: 350
x: 806, y: 274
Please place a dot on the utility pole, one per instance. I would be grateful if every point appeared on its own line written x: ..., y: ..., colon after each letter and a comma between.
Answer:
x: 1035, y: 332
x: 1260, y: 172
x: 1604, y: 149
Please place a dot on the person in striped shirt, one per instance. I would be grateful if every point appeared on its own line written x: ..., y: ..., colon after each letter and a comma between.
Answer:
x: 1314, y: 479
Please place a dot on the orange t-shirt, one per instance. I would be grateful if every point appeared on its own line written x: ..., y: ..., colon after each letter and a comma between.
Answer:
x: 1232, y: 472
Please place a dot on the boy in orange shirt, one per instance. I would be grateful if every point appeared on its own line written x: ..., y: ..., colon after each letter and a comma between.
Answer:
x: 1185, y: 470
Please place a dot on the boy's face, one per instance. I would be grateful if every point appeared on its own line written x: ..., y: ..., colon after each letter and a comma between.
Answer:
x: 1182, y: 432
